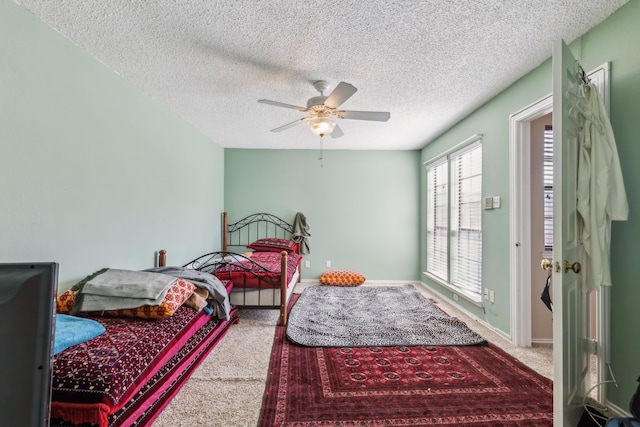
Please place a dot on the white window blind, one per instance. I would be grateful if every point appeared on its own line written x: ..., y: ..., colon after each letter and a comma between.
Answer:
x: 438, y: 220
x: 548, y: 188
x: 454, y: 220
x: 466, y: 224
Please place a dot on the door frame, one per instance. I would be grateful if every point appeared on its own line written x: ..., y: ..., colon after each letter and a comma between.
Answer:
x: 520, y: 217
x: 520, y: 227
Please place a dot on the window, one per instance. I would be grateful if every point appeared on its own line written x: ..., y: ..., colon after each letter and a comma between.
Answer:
x: 438, y: 225
x: 548, y: 188
x: 454, y: 220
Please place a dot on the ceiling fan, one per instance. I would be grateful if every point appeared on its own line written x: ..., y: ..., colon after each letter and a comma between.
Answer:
x: 323, y: 110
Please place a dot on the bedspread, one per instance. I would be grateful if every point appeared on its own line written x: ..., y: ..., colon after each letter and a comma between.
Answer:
x: 100, y: 375
x: 262, y: 265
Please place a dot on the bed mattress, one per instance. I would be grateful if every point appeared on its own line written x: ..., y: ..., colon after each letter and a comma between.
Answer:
x: 129, y: 373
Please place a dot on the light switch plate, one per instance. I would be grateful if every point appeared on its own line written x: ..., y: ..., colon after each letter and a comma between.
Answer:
x: 487, y: 203
x: 496, y: 202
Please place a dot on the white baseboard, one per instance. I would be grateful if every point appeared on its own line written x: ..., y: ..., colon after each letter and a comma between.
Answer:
x: 544, y: 341
x: 617, y: 411
x: 374, y: 282
x: 391, y: 282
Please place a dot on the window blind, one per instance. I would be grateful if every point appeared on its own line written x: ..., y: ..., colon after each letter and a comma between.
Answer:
x: 466, y: 224
x: 438, y: 220
x: 548, y: 187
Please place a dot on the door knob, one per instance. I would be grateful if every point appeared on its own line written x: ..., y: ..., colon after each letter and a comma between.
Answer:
x: 546, y: 264
x: 575, y: 267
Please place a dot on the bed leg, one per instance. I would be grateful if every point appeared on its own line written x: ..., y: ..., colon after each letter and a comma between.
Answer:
x: 225, y: 232
x: 283, y: 288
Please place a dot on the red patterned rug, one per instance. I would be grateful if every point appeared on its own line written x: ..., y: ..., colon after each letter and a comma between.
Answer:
x: 402, y: 386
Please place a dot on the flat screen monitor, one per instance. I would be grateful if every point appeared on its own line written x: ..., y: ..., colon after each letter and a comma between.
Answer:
x: 27, y: 301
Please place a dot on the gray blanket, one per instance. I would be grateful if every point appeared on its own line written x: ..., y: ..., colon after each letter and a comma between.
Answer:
x: 219, y: 299
x: 300, y: 233
x: 368, y: 316
x: 115, y: 289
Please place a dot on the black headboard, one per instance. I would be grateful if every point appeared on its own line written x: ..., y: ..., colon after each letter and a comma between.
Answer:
x: 256, y: 226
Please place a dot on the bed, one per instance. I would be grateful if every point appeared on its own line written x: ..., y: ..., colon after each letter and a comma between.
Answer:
x: 261, y: 255
x: 127, y: 374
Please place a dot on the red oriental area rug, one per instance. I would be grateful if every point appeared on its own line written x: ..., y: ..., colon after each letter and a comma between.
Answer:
x: 402, y: 386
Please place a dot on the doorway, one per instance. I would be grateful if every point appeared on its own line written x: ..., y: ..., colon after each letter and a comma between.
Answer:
x: 526, y: 274
x: 541, y: 161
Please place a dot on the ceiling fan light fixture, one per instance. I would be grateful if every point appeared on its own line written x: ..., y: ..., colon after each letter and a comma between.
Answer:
x: 321, y: 126
x: 323, y: 110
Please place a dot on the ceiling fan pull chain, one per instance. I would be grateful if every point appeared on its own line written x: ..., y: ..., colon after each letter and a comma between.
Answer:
x: 321, y: 152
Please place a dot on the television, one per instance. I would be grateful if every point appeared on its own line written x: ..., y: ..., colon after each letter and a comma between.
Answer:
x: 27, y: 310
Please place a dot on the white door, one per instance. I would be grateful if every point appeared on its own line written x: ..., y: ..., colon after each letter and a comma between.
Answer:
x: 570, y: 302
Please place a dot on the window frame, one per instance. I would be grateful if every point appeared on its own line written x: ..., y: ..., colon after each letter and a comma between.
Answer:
x: 471, y: 291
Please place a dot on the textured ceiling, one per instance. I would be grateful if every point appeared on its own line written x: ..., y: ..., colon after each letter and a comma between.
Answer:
x: 429, y: 63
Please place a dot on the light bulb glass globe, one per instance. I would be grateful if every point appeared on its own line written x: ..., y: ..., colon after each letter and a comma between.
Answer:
x: 321, y: 125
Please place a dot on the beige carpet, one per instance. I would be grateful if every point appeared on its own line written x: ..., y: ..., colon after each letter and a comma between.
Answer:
x: 226, y: 390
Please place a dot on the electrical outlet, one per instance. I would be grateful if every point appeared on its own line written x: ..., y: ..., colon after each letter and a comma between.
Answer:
x: 455, y: 297
x: 307, y: 263
x: 492, y: 297
x: 327, y: 264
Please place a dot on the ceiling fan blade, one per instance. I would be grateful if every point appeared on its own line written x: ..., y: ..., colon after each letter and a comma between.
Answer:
x: 337, y: 132
x: 281, y: 104
x: 378, y: 116
x: 289, y: 125
x: 340, y: 94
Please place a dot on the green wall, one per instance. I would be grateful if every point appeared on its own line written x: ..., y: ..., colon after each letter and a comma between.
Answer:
x: 615, y: 40
x: 93, y: 171
x: 492, y: 121
x: 361, y: 206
